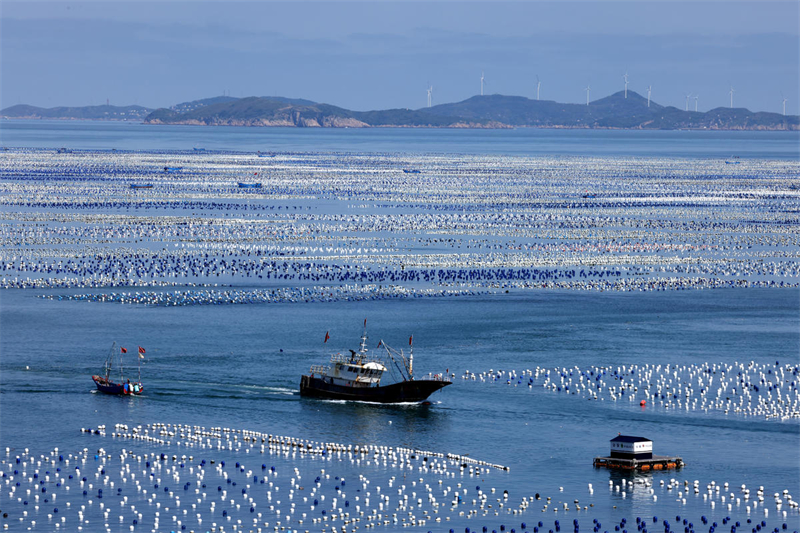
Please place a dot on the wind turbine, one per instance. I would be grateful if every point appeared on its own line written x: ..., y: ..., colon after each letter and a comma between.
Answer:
x: 731, y: 93
x: 430, y: 94
x: 688, y: 95
x: 649, y: 89
x: 588, y: 88
x: 696, y: 97
x: 625, y: 77
x: 784, y: 104
x: 481, y: 83
x: 539, y: 86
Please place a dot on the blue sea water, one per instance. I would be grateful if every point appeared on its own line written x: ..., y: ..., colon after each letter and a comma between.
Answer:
x: 92, y: 135
x: 239, y: 366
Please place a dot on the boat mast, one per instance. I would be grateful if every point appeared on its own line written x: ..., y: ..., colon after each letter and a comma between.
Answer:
x: 392, y: 353
x: 362, y: 351
x: 411, y: 357
x: 110, y: 360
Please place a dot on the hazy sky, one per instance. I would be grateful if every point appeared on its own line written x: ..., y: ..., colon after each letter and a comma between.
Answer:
x: 378, y: 55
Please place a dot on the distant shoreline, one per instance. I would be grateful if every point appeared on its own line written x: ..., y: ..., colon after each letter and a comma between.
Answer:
x: 390, y: 126
x: 619, y: 111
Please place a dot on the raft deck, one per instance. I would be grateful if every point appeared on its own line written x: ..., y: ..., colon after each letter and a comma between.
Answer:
x: 657, y: 462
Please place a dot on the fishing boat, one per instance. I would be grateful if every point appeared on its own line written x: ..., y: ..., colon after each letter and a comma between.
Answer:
x: 105, y: 383
x: 357, y: 376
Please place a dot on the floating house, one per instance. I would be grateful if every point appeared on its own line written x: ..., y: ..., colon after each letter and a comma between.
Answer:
x: 636, y: 453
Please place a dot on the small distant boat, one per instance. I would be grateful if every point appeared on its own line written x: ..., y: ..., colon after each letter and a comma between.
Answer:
x: 196, y: 149
x: 249, y: 185
x: 358, y: 376
x: 411, y: 171
x: 122, y: 387
x: 141, y: 186
x: 172, y: 170
x: 64, y: 151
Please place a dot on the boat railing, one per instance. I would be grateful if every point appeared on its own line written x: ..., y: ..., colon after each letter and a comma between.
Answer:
x: 435, y: 377
x: 319, y: 369
x: 341, y: 358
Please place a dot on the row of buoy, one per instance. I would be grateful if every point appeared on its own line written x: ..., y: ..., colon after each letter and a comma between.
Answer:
x: 766, y: 390
x: 315, y: 294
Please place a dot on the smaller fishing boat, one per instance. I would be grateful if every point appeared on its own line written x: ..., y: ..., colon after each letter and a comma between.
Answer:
x: 141, y: 186
x: 243, y: 185
x: 107, y: 385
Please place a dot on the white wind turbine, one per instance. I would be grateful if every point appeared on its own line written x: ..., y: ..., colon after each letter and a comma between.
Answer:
x: 481, y: 83
x: 784, y: 104
x: 539, y: 86
x: 696, y: 97
x: 588, y: 88
x: 625, y: 77
x: 649, y: 90
x: 430, y: 94
x: 688, y: 95
x: 731, y: 93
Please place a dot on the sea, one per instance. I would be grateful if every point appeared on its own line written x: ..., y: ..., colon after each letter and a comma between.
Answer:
x: 239, y: 367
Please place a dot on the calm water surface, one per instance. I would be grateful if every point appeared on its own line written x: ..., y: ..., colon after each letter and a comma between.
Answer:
x: 522, y: 141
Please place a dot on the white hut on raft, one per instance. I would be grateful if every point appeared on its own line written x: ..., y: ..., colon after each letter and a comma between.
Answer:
x: 636, y: 453
x: 629, y: 447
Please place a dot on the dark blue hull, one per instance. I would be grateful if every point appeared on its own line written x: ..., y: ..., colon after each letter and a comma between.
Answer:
x: 405, y: 391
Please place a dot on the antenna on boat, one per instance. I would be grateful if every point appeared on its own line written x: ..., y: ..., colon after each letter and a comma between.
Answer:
x: 411, y: 356
x: 363, y: 350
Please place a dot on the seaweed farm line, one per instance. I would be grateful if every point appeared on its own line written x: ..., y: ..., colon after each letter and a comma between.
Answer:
x: 463, y: 225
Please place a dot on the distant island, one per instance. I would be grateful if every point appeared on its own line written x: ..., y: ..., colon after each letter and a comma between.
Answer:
x: 95, y: 112
x: 491, y: 111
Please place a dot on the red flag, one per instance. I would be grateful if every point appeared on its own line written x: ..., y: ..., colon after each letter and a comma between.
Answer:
x: 379, y: 344
x: 123, y: 350
x: 326, y: 337
x: 365, y: 322
x: 411, y: 338
x: 141, y: 350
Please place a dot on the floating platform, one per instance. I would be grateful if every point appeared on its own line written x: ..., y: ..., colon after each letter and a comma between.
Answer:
x: 657, y: 462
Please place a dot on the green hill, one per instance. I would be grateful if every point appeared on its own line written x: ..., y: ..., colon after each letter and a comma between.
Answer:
x: 271, y: 111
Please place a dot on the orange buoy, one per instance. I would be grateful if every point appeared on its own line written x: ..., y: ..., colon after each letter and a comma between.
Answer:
x: 643, y: 403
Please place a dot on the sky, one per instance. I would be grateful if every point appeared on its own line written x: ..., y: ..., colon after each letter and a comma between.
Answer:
x: 383, y: 54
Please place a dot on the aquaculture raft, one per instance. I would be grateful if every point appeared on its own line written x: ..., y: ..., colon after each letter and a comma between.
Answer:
x: 656, y: 462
